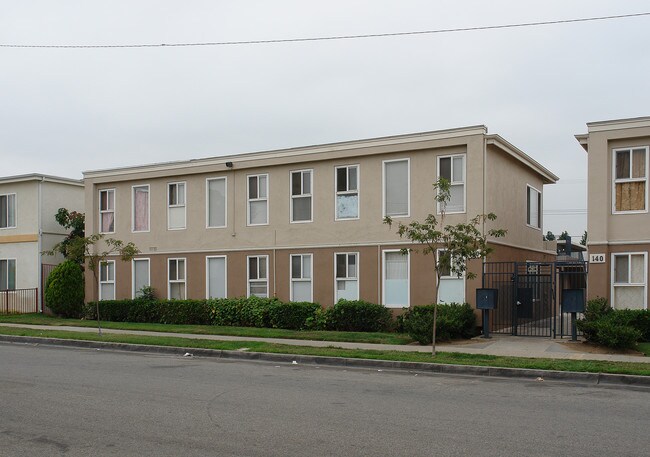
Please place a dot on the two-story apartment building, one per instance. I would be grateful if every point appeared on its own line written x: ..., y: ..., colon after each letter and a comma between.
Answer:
x: 28, y: 204
x: 618, y: 223
x: 306, y: 224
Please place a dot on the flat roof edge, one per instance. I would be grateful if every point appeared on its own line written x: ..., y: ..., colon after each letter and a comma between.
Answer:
x: 613, y: 124
x: 41, y: 177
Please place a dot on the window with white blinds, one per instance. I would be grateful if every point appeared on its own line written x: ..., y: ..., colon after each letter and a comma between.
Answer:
x: 396, y: 188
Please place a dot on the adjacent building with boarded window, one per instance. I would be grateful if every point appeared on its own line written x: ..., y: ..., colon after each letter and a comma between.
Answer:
x: 618, y: 223
x: 306, y: 224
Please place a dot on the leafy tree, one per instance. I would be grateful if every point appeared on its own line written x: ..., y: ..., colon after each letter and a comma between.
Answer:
x: 451, y: 246
x: 583, y: 240
x: 563, y: 236
x: 549, y: 236
x: 76, y: 222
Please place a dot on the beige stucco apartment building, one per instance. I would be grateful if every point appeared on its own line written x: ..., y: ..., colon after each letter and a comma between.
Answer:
x: 618, y: 222
x: 28, y: 204
x: 306, y: 224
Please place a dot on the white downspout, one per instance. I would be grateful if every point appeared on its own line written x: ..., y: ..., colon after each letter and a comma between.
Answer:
x: 39, y: 261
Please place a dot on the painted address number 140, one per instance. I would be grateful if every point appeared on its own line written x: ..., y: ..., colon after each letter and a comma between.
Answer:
x: 596, y: 258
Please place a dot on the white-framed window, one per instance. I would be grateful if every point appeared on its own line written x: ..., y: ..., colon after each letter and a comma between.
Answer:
x: 257, y: 210
x: 630, y: 187
x: 629, y: 280
x: 107, y: 211
x: 216, y: 277
x: 301, y: 274
x: 396, y: 187
x: 347, y: 192
x: 257, y: 271
x: 452, y: 168
x: 7, y: 211
x: 176, y: 284
x: 452, y: 286
x: 301, y: 196
x: 140, y: 208
x: 7, y: 274
x: 346, y: 273
x: 395, y: 277
x: 107, y: 280
x: 216, y: 202
x: 533, y: 207
x: 176, y: 201
x: 141, y: 276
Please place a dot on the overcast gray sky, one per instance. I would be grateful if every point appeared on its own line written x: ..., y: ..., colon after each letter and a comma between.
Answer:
x: 63, y: 111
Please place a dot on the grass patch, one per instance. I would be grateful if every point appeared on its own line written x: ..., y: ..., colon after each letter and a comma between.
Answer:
x: 645, y: 348
x: 352, y: 337
x: 442, y: 357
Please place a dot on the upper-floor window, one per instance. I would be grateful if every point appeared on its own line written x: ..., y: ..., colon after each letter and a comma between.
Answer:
x: 8, y: 211
x: 533, y: 207
x: 301, y: 201
x: 216, y: 202
x: 7, y: 274
x: 107, y: 280
x: 301, y: 287
x: 140, y: 208
x: 630, y: 191
x: 176, y: 279
x: 258, y: 279
x: 258, y: 199
x: 347, y: 192
x: 452, y: 168
x: 107, y: 211
x: 176, y: 205
x: 396, y: 188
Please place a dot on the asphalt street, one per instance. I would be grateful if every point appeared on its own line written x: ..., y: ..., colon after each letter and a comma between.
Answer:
x: 87, y: 402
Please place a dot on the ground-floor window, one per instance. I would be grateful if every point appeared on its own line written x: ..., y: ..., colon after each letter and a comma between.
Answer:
x: 347, y: 276
x: 141, y: 277
x: 258, y: 279
x: 176, y: 279
x: 216, y: 277
x: 452, y: 287
x: 629, y: 285
x: 7, y: 274
x: 396, y: 279
x: 107, y: 280
x: 301, y: 289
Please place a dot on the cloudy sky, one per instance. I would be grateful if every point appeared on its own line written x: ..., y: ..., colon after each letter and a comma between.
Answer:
x: 63, y: 111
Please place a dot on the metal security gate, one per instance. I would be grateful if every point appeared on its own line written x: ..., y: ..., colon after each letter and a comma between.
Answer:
x: 528, y: 301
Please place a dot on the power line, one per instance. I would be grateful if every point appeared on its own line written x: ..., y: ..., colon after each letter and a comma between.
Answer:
x: 330, y: 38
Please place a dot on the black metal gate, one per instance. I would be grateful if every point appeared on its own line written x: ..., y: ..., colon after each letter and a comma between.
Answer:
x: 530, y: 294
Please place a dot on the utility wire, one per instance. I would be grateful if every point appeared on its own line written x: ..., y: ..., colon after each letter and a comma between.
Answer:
x: 329, y: 38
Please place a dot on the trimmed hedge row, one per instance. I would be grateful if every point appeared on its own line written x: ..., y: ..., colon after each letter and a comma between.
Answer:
x: 615, y: 328
x: 454, y: 321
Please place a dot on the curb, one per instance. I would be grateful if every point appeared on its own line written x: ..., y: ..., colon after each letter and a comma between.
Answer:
x: 468, y: 370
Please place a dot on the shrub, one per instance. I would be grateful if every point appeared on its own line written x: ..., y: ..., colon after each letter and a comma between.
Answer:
x: 241, y: 312
x: 64, y: 290
x: 319, y: 320
x: 612, y: 327
x: 292, y: 315
x: 182, y: 312
x: 358, y: 316
x: 454, y: 321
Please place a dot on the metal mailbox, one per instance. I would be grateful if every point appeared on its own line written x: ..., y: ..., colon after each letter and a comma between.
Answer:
x: 573, y: 300
x: 487, y: 298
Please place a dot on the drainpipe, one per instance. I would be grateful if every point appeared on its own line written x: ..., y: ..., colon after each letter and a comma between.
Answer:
x: 39, y: 262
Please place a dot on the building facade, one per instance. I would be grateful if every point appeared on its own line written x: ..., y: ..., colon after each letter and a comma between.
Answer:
x: 28, y: 204
x: 618, y: 223
x: 306, y: 224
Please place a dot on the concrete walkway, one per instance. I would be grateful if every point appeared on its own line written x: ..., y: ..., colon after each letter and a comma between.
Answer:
x: 500, y: 345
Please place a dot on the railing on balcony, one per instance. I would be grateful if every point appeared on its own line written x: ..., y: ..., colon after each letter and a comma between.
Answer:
x: 19, y: 301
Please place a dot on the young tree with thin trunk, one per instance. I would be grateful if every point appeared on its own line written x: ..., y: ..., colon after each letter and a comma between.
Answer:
x: 451, y: 246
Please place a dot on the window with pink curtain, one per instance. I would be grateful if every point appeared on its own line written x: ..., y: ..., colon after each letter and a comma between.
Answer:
x: 141, y: 209
x: 107, y: 210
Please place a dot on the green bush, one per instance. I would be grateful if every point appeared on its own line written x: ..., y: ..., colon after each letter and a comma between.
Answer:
x: 614, y: 328
x: 359, y: 316
x: 241, y: 312
x: 64, y: 290
x: 292, y: 315
x: 454, y: 321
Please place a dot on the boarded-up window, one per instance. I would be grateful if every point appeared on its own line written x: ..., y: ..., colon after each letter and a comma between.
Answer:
x: 630, y: 179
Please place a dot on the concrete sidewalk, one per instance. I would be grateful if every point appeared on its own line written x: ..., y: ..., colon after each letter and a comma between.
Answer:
x: 500, y: 345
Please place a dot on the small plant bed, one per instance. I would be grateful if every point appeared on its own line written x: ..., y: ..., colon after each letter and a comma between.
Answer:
x: 644, y: 348
x: 442, y: 357
x: 317, y: 335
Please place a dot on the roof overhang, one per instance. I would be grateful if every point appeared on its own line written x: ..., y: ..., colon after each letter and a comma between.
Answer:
x: 39, y: 177
x: 583, y: 139
x: 501, y: 143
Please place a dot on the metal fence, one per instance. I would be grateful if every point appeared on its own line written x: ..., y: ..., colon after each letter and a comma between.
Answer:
x: 19, y: 301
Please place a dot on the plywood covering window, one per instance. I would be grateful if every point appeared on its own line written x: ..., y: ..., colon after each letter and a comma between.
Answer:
x: 258, y: 279
x: 176, y: 205
x: 140, y: 201
x: 629, y: 280
x: 301, y: 285
x: 107, y: 280
x: 177, y: 286
x: 107, y: 211
x: 347, y: 192
x: 301, y: 196
x: 258, y: 200
x: 452, y: 168
x: 347, y: 276
x: 630, y: 179
x: 7, y: 274
x: 8, y: 211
